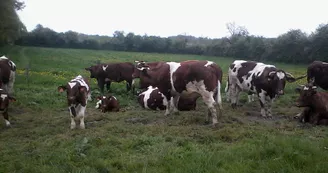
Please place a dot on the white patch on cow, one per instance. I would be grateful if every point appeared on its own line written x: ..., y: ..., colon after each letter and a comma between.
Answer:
x: 98, y: 104
x: 3, y: 96
x: 147, y: 95
x: 306, y: 88
x: 3, y: 57
x: 114, y: 97
x: 280, y: 75
x: 104, y: 97
x: 80, y: 80
x: 71, y: 84
x: 173, y: 67
x: 7, y: 123
x: 209, y: 63
x: 104, y: 67
x: 133, y: 81
x: 324, y: 63
x: 143, y: 68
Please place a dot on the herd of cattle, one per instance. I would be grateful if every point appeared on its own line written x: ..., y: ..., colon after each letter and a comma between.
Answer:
x: 176, y: 86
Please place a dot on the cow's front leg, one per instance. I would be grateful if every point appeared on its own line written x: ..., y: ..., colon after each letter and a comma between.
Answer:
x: 73, y: 125
x: 235, y: 90
x: 101, y: 83
x: 269, y: 107
x: 263, y: 104
x: 5, y: 116
x: 82, y: 125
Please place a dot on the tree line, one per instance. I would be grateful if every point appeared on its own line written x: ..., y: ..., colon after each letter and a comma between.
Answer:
x: 294, y: 46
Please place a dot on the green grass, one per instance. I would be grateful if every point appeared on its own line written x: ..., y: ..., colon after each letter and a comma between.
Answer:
x: 137, y: 140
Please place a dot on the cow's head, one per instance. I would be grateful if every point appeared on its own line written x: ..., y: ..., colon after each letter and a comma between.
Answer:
x: 94, y: 71
x: 104, y: 103
x: 141, y: 67
x: 5, y: 99
x: 74, y: 92
x: 277, y: 80
x: 306, y: 92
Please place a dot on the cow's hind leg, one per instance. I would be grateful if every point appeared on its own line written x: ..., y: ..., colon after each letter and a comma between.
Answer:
x: 128, y: 85
x: 235, y: 90
x: 210, y: 102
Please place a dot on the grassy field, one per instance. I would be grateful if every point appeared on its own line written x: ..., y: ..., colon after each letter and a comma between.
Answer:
x: 137, y: 140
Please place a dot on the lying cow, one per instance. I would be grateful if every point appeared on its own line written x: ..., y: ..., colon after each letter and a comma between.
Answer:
x: 4, y: 104
x: 153, y: 99
x: 112, y: 72
x: 108, y: 104
x: 78, y: 94
x: 173, y: 78
x: 8, y: 71
x: 264, y: 80
x: 315, y: 103
x: 317, y: 73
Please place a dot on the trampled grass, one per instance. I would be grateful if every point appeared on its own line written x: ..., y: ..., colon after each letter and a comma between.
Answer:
x: 137, y: 140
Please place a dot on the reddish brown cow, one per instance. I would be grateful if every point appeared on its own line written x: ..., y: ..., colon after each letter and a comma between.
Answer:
x: 315, y: 103
x: 112, y: 72
x: 4, y: 104
x: 8, y: 71
x: 108, y: 104
x: 78, y: 94
x: 173, y: 78
x: 317, y: 73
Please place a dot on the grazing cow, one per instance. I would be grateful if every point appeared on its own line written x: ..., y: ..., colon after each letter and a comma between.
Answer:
x: 173, y: 78
x: 5, y: 98
x: 78, y: 94
x: 112, y: 72
x: 317, y: 73
x: 108, y: 104
x: 265, y: 80
x: 8, y: 71
x: 315, y: 103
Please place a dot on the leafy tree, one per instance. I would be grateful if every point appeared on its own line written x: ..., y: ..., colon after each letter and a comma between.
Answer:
x: 11, y: 27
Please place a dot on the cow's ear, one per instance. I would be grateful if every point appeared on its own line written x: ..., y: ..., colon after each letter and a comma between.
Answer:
x: 271, y: 74
x: 290, y: 77
x: 11, y: 99
x: 61, y: 88
x: 82, y: 88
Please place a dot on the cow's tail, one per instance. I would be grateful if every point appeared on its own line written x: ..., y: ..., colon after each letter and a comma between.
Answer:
x: 218, y: 96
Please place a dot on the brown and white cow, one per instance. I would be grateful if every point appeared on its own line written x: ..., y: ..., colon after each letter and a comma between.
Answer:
x: 112, y: 72
x: 108, y: 104
x: 264, y: 80
x: 78, y: 94
x: 314, y: 103
x: 317, y: 73
x: 173, y: 78
x: 5, y: 98
x: 8, y: 71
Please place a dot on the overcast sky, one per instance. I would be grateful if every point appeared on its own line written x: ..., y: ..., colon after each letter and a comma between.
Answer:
x: 200, y: 18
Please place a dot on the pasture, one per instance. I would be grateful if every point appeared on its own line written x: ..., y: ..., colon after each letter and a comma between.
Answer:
x: 138, y: 140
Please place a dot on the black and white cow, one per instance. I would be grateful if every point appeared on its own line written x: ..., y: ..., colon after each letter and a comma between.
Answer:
x: 78, y: 94
x: 8, y: 72
x: 264, y: 80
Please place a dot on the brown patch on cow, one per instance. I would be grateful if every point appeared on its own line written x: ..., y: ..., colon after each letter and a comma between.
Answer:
x: 244, y: 69
x: 109, y: 104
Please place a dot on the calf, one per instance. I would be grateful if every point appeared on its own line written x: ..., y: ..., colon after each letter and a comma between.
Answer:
x: 153, y: 99
x: 315, y: 103
x: 8, y: 71
x: 174, y: 78
x: 4, y: 104
x: 78, y: 94
x: 265, y: 80
x: 112, y: 72
x: 108, y: 104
